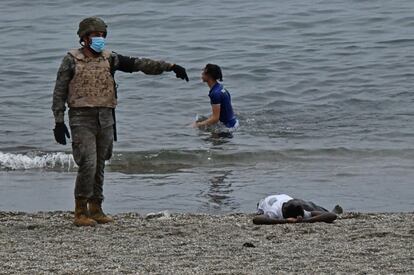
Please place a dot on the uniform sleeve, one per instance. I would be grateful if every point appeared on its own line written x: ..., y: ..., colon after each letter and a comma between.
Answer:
x: 133, y: 64
x: 215, y: 98
x: 60, y: 93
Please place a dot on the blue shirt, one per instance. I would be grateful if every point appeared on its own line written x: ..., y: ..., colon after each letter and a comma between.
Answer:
x: 219, y: 95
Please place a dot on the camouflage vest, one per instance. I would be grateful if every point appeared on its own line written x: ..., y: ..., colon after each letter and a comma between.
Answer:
x: 92, y: 84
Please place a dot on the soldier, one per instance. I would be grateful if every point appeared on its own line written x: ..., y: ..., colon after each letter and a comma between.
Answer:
x: 85, y: 82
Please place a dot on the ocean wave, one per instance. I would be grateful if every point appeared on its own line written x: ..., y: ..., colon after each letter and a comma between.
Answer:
x: 168, y: 161
x: 36, y: 160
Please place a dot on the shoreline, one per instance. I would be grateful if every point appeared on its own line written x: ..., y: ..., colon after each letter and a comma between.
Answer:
x: 48, y: 242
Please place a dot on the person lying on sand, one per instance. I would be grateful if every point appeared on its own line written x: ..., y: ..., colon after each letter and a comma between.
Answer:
x: 280, y: 209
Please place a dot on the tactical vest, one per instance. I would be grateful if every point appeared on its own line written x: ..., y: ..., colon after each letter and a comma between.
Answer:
x: 92, y: 84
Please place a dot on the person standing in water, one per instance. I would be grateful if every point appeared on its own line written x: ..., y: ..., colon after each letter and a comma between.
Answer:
x: 222, y: 120
x: 85, y: 82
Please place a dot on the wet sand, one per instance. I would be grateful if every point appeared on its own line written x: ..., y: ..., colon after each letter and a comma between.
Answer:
x: 205, y: 244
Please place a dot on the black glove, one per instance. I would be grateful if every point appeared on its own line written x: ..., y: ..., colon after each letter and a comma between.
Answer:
x: 179, y: 72
x: 60, y: 132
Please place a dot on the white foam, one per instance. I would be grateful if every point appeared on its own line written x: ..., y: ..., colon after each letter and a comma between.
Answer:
x: 33, y: 161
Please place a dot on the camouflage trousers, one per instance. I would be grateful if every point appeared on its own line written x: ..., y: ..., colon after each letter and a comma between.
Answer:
x: 92, y: 146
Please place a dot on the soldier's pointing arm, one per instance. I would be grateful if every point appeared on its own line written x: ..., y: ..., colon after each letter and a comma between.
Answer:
x: 60, y: 93
x: 147, y: 66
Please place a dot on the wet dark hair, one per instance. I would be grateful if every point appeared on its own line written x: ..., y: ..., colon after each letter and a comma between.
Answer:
x: 214, y: 71
x: 292, y: 209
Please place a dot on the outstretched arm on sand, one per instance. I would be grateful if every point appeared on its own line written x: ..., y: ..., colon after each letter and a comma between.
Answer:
x: 264, y: 219
x: 316, y: 216
x: 319, y: 216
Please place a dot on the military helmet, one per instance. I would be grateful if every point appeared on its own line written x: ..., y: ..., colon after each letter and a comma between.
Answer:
x: 91, y: 24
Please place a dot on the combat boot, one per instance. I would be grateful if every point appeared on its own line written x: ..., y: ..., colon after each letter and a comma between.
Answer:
x: 81, y: 213
x: 96, y: 213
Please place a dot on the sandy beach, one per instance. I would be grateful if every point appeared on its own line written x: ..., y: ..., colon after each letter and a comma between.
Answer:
x: 204, y: 244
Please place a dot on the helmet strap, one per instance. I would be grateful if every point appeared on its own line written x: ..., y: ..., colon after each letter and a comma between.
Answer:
x: 85, y: 45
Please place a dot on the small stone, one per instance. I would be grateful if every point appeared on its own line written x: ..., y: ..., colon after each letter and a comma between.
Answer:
x: 31, y: 227
x: 158, y: 215
x: 248, y: 244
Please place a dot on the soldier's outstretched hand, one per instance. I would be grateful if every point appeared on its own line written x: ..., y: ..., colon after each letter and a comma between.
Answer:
x: 180, y: 72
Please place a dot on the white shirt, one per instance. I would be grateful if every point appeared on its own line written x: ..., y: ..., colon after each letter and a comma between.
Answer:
x: 271, y: 206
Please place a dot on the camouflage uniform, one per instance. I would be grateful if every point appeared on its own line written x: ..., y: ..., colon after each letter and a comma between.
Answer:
x: 92, y: 126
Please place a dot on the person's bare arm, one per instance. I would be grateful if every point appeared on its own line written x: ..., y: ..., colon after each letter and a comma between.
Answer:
x: 213, y: 119
x: 264, y: 219
x: 318, y: 216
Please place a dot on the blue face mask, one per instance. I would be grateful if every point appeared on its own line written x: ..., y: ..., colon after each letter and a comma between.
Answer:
x: 98, y: 44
